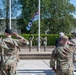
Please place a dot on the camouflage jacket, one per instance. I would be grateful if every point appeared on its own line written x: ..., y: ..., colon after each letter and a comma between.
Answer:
x: 12, y: 45
x: 62, y: 58
x: 73, y: 40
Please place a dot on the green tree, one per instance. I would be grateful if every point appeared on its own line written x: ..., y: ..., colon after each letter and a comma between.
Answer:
x: 28, y: 9
x: 55, y: 15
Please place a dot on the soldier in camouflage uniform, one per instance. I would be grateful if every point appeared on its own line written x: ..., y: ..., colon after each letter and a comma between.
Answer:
x: 73, y: 40
x: 45, y: 43
x: 37, y: 40
x: 11, y: 54
x: 2, y: 47
x: 30, y: 42
x: 62, y: 58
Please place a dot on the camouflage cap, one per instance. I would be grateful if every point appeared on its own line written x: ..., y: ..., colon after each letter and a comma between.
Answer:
x: 9, y: 31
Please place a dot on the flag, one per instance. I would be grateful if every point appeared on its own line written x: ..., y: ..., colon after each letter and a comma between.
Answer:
x: 29, y: 25
x: 34, y: 18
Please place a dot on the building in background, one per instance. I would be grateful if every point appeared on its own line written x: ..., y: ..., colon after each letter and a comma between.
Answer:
x: 14, y: 25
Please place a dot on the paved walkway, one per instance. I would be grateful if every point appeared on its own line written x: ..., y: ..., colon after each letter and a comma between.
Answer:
x: 34, y: 67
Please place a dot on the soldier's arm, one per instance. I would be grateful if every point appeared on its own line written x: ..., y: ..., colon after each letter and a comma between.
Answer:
x: 72, y: 46
x: 16, y: 35
x: 22, y: 39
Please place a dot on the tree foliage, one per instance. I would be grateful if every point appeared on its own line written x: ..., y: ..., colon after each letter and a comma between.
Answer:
x: 55, y: 15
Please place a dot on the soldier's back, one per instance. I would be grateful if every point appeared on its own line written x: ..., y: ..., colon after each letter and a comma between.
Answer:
x: 10, y: 55
x: 65, y: 59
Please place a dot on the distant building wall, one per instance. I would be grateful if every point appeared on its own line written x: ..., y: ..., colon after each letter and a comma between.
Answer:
x: 14, y: 25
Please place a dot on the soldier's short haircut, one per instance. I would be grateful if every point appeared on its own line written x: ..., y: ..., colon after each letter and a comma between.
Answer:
x: 9, y: 31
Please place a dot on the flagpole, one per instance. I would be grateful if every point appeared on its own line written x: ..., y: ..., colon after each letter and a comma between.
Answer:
x: 39, y: 29
x: 10, y: 14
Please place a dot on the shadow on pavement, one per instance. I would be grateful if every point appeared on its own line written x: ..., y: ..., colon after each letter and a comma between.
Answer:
x: 35, y: 72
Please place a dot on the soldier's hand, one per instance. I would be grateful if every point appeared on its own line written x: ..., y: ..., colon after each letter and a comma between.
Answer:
x: 24, y: 41
x: 15, y: 34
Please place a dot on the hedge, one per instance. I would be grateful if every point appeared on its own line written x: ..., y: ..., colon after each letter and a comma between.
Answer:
x: 50, y: 38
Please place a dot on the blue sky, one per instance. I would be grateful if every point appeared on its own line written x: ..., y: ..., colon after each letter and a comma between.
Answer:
x: 73, y: 2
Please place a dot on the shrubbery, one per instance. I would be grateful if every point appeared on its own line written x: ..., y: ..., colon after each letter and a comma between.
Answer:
x: 50, y: 38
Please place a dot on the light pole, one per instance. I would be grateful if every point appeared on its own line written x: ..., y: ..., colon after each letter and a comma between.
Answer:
x: 39, y: 29
x: 10, y: 14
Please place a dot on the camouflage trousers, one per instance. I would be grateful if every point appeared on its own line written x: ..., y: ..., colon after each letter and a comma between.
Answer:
x: 9, y: 66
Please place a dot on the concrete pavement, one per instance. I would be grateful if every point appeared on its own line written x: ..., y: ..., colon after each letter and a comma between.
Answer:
x: 34, y: 54
x: 35, y: 67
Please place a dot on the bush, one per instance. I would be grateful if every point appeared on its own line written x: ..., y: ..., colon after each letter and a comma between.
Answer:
x: 50, y: 38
